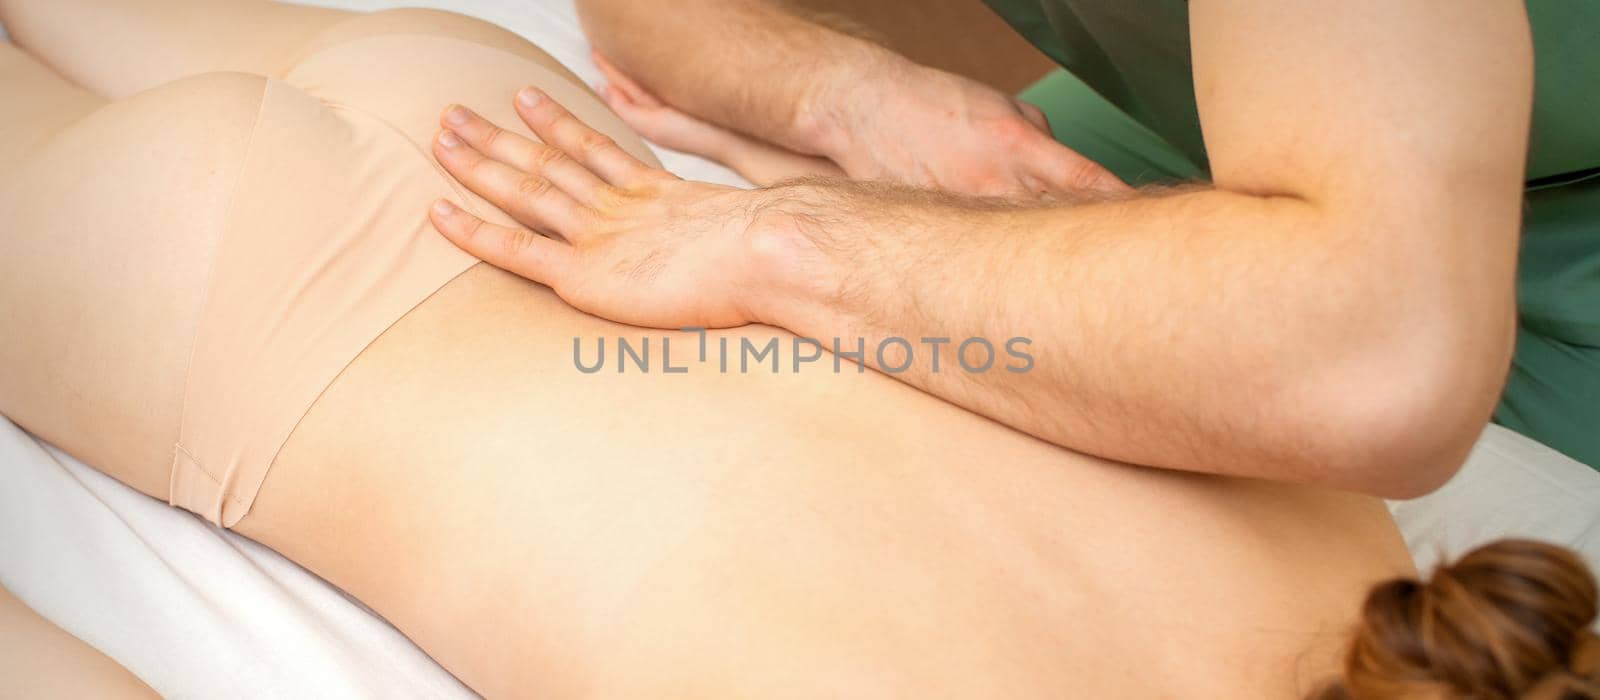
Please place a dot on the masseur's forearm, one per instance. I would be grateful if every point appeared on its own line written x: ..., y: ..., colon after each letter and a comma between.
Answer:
x: 1199, y: 330
x: 1338, y: 310
x: 750, y: 65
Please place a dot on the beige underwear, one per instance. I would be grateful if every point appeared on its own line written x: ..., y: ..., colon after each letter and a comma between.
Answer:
x: 327, y: 242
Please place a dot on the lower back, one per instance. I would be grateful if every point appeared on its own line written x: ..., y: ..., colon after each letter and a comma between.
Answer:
x: 538, y: 528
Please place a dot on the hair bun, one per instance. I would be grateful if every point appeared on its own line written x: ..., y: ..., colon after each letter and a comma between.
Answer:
x: 1508, y: 620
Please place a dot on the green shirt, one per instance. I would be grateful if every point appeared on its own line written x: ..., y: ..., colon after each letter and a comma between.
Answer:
x: 1135, y: 55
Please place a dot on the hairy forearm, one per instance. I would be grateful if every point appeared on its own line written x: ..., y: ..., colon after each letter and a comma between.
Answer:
x: 1194, y: 329
x: 750, y: 65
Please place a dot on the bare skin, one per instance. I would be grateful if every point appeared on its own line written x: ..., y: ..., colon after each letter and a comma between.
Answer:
x: 1335, y: 308
x: 545, y: 532
x: 40, y: 660
x: 761, y: 162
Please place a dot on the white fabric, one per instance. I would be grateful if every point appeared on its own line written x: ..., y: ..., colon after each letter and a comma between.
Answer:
x: 1511, y: 486
x: 198, y: 612
x: 194, y: 611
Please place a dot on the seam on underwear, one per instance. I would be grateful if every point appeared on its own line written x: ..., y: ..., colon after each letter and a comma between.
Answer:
x: 196, y: 461
x: 346, y: 366
x: 211, y: 272
x: 395, y: 131
x: 450, y: 182
x: 178, y: 447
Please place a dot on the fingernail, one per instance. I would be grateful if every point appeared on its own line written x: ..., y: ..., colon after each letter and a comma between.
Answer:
x: 456, y: 115
x: 443, y: 208
x: 448, y: 139
x: 528, y: 96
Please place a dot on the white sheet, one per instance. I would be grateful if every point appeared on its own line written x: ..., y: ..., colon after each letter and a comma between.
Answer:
x: 198, y: 613
x: 1511, y: 486
x: 195, y: 611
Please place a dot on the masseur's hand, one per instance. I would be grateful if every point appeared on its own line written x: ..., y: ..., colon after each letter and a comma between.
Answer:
x: 611, y: 235
x: 758, y: 161
x: 901, y: 121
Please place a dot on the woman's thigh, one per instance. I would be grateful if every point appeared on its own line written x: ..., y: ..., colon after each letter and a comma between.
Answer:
x: 42, y: 661
x: 155, y: 42
x: 38, y: 103
x: 160, y: 41
x: 111, y: 217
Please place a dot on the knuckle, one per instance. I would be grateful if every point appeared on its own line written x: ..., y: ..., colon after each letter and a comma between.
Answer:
x: 476, y: 166
x: 533, y: 187
x: 1013, y: 131
x: 558, y: 119
x: 588, y: 220
x: 651, y: 189
x: 1088, y: 175
x: 609, y: 196
x: 545, y: 116
x: 491, y: 135
x: 547, y: 156
x: 516, y: 242
x: 471, y: 228
x: 594, y: 142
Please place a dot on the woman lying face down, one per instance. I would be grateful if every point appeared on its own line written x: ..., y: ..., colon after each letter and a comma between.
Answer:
x: 409, y: 425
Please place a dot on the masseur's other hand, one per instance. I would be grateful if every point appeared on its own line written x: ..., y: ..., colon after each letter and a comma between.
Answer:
x: 758, y: 161
x: 901, y: 121
x: 611, y: 235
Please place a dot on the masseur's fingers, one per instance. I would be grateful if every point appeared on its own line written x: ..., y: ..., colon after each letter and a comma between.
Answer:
x: 1055, y: 167
x: 1066, y: 170
x: 528, y: 197
x: 522, y: 153
x: 516, y: 250
x: 622, y: 81
x: 596, y: 151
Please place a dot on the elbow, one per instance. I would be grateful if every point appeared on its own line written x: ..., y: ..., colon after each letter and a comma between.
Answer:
x: 1399, y: 417
x: 1398, y: 456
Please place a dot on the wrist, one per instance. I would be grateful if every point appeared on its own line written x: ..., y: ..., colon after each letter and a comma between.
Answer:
x: 792, y: 271
x: 842, y: 94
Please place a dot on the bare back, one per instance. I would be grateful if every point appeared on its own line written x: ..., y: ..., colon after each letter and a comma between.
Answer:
x: 828, y: 532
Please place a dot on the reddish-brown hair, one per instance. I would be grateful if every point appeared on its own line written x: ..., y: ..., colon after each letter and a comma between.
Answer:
x: 1509, y: 620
